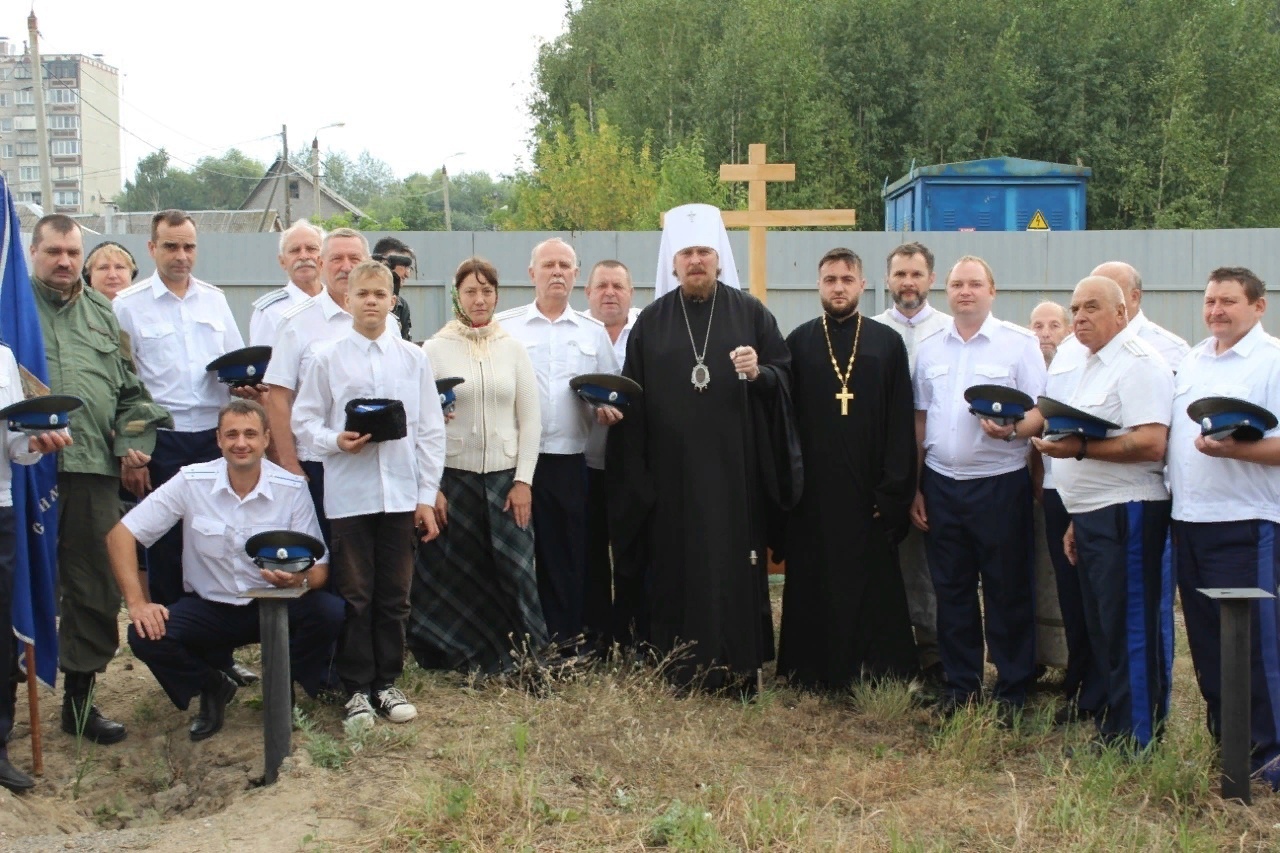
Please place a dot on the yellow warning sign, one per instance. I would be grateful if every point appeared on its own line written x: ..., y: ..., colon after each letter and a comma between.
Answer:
x: 1038, y: 223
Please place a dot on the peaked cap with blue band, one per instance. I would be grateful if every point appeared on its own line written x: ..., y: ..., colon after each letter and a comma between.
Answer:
x: 241, y: 367
x: 1062, y: 420
x: 1220, y: 417
x: 41, y: 414
x: 606, y: 389
x: 998, y: 403
x: 444, y: 387
x: 284, y: 550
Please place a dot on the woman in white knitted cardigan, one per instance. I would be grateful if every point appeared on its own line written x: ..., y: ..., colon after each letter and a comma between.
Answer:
x: 475, y: 595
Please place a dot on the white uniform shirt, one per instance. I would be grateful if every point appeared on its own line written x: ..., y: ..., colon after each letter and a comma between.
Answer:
x: 173, y: 339
x: 561, y: 349
x: 16, y: 443
x: 599, y: 432
x: 1128, y: 383
x: 999, y: 353
x: 216, y: 524
x: 1172, y: 348
x: 1210, y: 489
x: 1062, y: 376
x: 390, y: 476
x: 302, y: 327
x: 316, y: 320
x: 264, y: 323
x: 913, y: 329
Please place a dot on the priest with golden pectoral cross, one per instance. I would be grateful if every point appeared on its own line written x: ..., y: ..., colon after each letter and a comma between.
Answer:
x: 844, y: 612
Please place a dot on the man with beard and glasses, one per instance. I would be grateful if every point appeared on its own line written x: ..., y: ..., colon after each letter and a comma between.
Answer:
x: 300, y: 259
x: 909, y: 275
x: 844, y: 607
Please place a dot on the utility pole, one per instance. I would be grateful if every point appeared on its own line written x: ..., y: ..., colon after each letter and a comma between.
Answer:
x: 315, y: 172
x: 285, y: 170
x: 42, y: 126
x: 448, y: 214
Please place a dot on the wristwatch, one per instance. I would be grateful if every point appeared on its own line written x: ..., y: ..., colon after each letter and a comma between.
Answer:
x: 1084, y: 447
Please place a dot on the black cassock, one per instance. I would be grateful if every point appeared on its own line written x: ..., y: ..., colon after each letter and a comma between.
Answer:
x: 844, y: 607
x: 694, y: 476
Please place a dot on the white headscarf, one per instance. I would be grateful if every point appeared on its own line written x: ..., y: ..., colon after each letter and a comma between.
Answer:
x: 693, y: 225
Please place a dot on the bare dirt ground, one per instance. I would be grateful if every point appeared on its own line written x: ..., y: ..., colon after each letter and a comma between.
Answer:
x: 608, y: 759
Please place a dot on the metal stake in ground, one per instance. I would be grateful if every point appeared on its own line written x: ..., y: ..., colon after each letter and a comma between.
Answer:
x: 277, y: 680
x: 1235, y: 610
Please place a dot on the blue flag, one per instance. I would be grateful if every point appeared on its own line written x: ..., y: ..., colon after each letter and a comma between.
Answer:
x: 35, y: 487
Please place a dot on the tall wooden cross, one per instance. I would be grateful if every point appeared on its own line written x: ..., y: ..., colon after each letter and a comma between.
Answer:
x: 757, y: 218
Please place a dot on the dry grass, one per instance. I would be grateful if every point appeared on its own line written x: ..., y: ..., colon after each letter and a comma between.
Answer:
x: 610, y: 758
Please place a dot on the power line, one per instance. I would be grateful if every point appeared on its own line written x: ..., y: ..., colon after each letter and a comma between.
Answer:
x: 57, y: 81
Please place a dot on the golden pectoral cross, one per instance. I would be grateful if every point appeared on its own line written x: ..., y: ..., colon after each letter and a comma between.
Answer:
x: 844, y: 397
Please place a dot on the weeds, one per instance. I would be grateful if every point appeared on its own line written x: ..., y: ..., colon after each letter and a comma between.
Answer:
x: 86, y: 757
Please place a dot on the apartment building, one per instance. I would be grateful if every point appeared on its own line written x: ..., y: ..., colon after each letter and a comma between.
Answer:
x: 82, y: 105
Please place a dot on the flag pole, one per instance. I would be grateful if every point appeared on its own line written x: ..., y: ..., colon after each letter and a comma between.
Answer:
x: 33, y: 711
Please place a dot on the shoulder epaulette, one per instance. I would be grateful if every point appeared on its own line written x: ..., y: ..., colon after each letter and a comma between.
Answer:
x: 198, y: 283
x: 1015, y: 327
x: 510, y: 312
x: 936, y: 330
x: 1165, y: 333
x: 271, y: 298
x: 1271, y: 340
x: 1135, y: 347
x: 145, y: 284
x: 584, y: 315
x: 200, y: 471
x: 295, y: 310
x: 285, y: 478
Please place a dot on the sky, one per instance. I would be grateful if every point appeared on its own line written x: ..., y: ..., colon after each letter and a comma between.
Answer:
x: 415, y: 83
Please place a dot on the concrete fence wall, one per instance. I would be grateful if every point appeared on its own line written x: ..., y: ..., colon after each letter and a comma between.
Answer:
x: 1029, y: 267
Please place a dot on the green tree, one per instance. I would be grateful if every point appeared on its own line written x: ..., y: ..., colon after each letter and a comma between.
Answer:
x: 587, y: 179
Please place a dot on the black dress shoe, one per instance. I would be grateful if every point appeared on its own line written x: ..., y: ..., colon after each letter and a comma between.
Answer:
x: 241, y: 675
x: 14, y: 779
x: 213, y: 708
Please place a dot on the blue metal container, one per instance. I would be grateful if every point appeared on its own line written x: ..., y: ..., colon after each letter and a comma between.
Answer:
x: 996, y: 194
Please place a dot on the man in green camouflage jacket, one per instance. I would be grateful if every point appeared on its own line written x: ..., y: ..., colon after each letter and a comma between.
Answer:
x: 114, y: 432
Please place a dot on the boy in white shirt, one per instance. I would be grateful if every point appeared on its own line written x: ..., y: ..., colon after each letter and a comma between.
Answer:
x: 388, y: 487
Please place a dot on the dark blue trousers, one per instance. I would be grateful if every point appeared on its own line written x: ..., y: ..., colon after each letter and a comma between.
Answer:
x: 560, y: 541
x: 983, y: 529
x: 1128, y: 608
x: 164, y: 558
x: 200, y: 635
x: 597, y: 607
x: 8, y: 643
x: 315, y: 485
x: 1081, y: 680
x: 1233, y: 554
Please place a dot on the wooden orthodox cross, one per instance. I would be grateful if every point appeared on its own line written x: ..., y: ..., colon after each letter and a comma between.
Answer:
x: 757, y: 218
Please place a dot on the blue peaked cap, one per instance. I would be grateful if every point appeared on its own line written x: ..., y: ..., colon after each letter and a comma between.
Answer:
x: 1220, y: 417
x: 998, y: 403
x: 1061, y: 419
x: 41, y: 414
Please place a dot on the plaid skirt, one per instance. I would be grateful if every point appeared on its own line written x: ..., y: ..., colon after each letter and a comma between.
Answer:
x: 475, y: 596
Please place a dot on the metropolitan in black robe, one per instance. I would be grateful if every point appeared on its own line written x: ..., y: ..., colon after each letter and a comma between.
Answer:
x: 694, y: 475
x: 844, y: 608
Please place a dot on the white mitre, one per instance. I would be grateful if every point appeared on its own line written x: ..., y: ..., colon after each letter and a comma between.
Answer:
x: 693, y: 225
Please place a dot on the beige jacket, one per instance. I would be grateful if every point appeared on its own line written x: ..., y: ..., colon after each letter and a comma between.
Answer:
x: 497, y: 421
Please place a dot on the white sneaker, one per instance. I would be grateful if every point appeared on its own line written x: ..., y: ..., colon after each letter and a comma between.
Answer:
x: 393, y: 705
x: 359, y: 713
